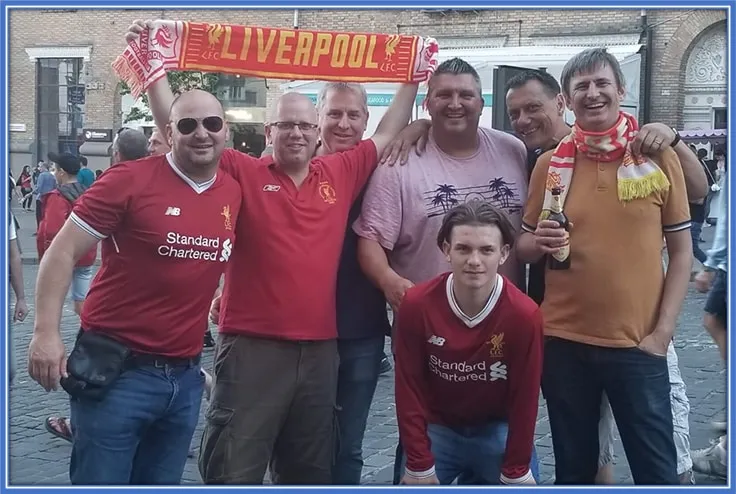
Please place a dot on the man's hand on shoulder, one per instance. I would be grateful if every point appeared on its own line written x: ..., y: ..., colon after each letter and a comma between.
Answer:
x: 414, y: 135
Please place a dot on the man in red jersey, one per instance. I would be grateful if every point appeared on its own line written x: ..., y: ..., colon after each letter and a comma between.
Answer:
x: 277, y: 361
x: 469, y: 361
x: 167, y: 229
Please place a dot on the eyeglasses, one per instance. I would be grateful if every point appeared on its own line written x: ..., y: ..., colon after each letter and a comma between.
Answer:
x: 289, y: 126
x: 188, y: 125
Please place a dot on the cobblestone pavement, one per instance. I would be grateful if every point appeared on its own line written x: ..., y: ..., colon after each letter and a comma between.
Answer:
x: 38, y: 458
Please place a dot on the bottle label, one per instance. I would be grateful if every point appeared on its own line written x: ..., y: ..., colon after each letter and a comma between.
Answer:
x: 564, y: 252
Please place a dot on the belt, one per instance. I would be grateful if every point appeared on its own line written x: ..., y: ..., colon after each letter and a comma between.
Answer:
x: 159, y: 361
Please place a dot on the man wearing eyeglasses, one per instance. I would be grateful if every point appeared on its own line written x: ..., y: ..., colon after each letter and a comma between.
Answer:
x: 277, y: 358
x: 362, y: 321
x: 167, y: 229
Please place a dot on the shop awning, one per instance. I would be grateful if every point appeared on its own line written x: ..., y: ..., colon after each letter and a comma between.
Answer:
x: 715, y: 136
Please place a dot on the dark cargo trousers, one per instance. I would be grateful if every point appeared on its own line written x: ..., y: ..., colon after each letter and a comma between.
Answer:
x: 272, y: 406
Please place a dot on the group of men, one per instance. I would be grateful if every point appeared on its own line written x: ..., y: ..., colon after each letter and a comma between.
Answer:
x: 317, y: 238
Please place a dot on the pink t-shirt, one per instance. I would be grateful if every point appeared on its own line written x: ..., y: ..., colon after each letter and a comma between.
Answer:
x: 404, y: 205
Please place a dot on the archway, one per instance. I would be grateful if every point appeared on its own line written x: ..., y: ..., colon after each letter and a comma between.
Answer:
x: 706, y: 76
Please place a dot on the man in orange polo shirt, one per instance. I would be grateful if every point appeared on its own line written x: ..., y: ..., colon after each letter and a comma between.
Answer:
x: 610, y: 317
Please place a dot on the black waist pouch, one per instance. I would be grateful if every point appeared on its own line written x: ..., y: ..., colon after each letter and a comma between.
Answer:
x: 94, y: 364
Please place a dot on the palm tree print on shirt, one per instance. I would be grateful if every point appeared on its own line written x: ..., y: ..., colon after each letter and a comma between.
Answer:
x: 500, y: 193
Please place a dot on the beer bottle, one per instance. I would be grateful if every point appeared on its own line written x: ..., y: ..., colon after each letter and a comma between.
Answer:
x: 561, y: 259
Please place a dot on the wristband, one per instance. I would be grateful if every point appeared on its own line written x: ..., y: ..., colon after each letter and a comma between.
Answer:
x: 677, y: 139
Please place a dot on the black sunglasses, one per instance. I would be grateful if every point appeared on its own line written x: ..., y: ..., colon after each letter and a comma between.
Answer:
x: 211, y: 124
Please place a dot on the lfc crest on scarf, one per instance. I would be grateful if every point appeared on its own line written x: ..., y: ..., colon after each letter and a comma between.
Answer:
x: 637, y: 176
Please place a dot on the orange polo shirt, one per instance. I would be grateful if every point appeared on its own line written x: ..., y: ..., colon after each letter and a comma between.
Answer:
x: 610, y: 296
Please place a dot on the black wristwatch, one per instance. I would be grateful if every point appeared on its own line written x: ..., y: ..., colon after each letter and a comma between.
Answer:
x: 677, y: 137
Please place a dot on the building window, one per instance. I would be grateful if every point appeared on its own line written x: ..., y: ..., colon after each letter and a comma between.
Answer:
x: 240, y: 91
x: 60, y: 105
x: 720, y: 118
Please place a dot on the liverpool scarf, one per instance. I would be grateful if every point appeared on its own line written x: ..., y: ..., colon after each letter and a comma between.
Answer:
x: 637, y: 176
x: 273, y: 53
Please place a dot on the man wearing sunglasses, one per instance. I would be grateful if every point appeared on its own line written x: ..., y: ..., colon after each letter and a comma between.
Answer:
x: 277, y: 362
x: 167, y: 229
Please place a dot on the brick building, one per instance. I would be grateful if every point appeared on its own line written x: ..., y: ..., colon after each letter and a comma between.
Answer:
x: 62, y: 87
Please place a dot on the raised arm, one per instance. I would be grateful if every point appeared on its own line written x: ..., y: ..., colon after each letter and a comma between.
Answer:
x: 396, y: 117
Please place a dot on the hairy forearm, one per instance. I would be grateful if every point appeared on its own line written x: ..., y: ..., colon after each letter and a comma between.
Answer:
x: 675, y: 288
x: 160, y: 98
x: 526, y: 248
x: 52, y: 285
x: 696, y: 182
x: 374, y: 262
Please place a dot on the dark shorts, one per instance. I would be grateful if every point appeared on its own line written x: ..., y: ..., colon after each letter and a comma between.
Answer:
x: 273, y: 406
x: 715, y: 305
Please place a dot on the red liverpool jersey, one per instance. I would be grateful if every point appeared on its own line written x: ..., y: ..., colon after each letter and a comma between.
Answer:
x: 282, y: 279
x: 454, y: 370
x: 165, y: 243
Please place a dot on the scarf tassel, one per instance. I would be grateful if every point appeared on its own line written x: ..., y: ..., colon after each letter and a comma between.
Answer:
x: 127, y: 74
x: 640, y: 187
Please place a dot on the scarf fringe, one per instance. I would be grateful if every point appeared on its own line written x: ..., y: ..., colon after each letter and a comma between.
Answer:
x: 127, y: 74
x: 637, y: 188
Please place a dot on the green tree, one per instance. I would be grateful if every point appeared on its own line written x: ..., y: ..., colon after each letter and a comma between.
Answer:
x: 179, y: 81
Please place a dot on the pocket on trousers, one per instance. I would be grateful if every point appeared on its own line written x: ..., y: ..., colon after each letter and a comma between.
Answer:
x: 223, y: 349
x: 214, y: 450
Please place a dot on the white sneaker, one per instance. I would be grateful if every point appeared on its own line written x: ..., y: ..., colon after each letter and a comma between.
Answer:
x: 708, y: 461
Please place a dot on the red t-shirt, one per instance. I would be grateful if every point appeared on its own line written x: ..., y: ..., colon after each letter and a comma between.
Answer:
x: 457, y: 371
x: 165, y: 243
x: 282, y: 277
x: 56, y: 210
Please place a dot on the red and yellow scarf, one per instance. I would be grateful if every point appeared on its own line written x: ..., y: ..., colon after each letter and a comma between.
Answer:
x: 274, y: 53
x: 637, y: 176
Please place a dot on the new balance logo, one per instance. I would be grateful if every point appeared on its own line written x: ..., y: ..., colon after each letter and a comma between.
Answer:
x: 436, y: 340
x: 172, y: 211
x: 271, y: 188
x: 227, y: 249
x: 498, y: 371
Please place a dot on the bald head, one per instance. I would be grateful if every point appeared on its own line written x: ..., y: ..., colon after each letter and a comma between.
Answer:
x: 292, y: 103
x: 195, y: 99
x: 292, y: 130
x: 197, y: 133
x: 130, y: 145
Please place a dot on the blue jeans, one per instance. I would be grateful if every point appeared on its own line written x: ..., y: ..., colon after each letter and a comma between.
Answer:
x: 139, y: 433
x: 360, y: 363
x: 638, y: 388
x: 472, y: 455
x: 695, y: 229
